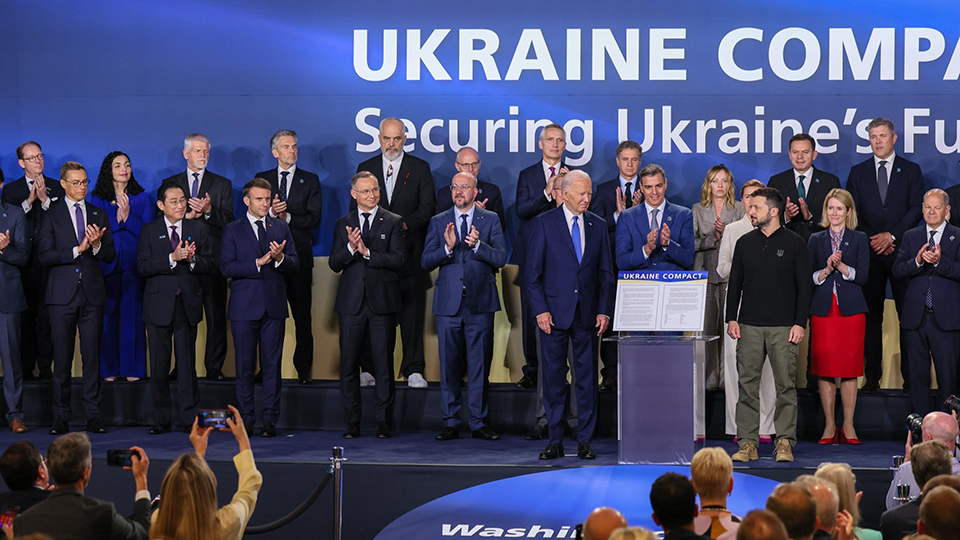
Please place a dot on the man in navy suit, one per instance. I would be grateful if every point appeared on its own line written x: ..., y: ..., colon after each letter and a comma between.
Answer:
x: 888, y: 192
x: 406, y: 189
x: 804, y: 187
x: 655, y: 235
x: 612, y: 198
x: 368, y: 250
x: 14, y: 253
x: 257, y: 251
x: 210, y: 200
x: 928, y: 262
x: 172, y: 253
x: 467, y: 244
x: 34, y: 192
x: 74, y: 238
x: 488, y: 193
x: 569, y: 276
x: 534, y: 197
x: 297, y: 199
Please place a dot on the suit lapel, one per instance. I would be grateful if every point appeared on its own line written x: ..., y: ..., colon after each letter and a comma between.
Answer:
x: 377, y: 221
x: 67, y: 223
x: 295, y: 187
x: 815, y: 188
x: 561, y: 224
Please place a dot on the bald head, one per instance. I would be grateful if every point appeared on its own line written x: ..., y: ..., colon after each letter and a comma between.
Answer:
x: 468, y: 160
x: 940, y: 513
x: 825, y: 497
x: 795, y: 507
x: 940, y: 426
x: 761, y: 525
x: 602, y: 522
x: 463, y: 187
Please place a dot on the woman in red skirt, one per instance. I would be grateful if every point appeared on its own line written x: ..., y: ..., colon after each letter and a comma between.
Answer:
x: 841, y: 259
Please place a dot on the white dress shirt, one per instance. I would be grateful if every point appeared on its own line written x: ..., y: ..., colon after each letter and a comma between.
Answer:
x: 456, y: 224
x: 73, y: 218
x: 286, y: 195
x: 373, y: 215
x: 390, y: 181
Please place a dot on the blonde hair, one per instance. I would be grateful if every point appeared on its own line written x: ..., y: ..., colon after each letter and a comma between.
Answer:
x: 706, y: 194
x: 632, y: 533
x: 188, y: 501
x: 846, y: 199
x: 710, y: 472
x: 846, y: 482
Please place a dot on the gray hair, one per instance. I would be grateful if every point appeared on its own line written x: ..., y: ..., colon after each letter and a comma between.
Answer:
x: 572, y: 177
x: 880, y: 121
x: 553, y: 126
x: 68, y: 456
x: 392, y: 119
x: 282, y: 133
x: 194, y: 137
x: 943, y: 195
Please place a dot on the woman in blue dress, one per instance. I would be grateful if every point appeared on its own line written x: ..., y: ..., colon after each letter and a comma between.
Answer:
x: 123, y: 343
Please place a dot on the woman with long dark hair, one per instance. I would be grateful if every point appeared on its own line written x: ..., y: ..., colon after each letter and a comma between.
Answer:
x: 123, y: 347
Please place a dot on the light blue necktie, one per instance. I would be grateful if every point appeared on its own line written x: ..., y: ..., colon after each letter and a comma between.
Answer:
x: 575, y: 232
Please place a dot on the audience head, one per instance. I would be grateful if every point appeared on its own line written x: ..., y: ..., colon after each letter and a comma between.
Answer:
x: 718, y: 185
x: 674, y: 501
x: 22, y: 466
x: 711, y: 474
x: 948, y: 480
x: 69, y: 459
x: 846, y: 483
x: 602, y: 522
x: 761, y: 525
x: 632, y: 533
x: 795, y: 507
x: 940, y: 513
x: 188, y: 501
x: 826, y: 499
x: 930, y: 458
x: 940, y: 426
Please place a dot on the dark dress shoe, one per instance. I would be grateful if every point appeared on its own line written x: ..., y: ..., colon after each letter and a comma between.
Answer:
x: 486, y: 434
x: 269, y: 429
x: 303, y: 379
x: 585, y: 451
x: 248, y: 426
x: 352, y: 432
x: 159, y: 429
x: 448, y: 434
x: 609, y: 384
x: 95, y: 425
x: 553, y: 451
x: 527, y: 381
x: 870, y: 387
x: 59, y: 428
x: 538, y: 434
x: 383, y: 430
x: 214, y: 375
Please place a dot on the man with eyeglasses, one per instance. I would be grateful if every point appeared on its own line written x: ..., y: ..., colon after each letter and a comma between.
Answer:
x: 488, y: 194
x: 33, y: 193
x: 368, y: 251
x: 406, y: 189
x: 74, y: 238
x: 466, y: 243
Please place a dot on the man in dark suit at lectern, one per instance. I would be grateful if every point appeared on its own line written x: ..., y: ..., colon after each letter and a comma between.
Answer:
x: 210, y: 200
x: 296, y: 199
x: 172, y: 254
x: 406, y: 189
x: 888, y: 192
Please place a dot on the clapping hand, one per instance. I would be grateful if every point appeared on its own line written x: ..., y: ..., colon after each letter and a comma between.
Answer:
x: 473, y: 238
x: 450, y: 236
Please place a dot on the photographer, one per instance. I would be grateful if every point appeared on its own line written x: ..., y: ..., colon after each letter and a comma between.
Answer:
x: 937, y: 426
x: 68, y: 514
x: 188, y: 497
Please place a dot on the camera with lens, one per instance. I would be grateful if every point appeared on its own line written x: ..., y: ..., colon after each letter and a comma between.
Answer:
x: 915, y: 425
x: 952, y: 403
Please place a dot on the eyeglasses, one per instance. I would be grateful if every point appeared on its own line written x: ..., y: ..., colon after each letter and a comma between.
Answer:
x: 460, y: 187
x: 177, y: 202
x: 78, y: 183
x: 471, y: 165
x: 34, y: 159
x: 366, y: 192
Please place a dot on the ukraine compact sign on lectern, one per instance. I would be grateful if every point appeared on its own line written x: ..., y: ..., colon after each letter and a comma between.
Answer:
x: 661, y: 389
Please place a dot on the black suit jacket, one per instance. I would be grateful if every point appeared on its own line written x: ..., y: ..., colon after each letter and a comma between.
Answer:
x: 17, y: 191
x: 68, y: 514
x: 902, y: 209
x: 162, y: 282
x: 954, y: 193
x: 221, y: 197
x: 22, y: 498
x: 486, y: 190
x: 530, y: 203
x: 820, y: 184
x: 604, y: 204
x: 414, y: 200
x: 57, y: 240
x: 376, y: 279
x: 900, y: 521
x: 304, y: 204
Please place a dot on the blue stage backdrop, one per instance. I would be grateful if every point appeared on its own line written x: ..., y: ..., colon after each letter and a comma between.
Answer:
x: 696, y: 82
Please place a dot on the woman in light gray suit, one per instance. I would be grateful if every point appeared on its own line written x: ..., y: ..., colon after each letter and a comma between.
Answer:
x: 718, y: 206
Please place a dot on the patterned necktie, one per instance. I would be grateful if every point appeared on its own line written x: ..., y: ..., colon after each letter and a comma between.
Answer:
x: 575, y: 233
x: 195, y: 188
x: 174, y: 237
x: 463, y: 227
x: 81, y: 225
x: 882, y: 181
x: 388, y: 183
x: 802, y: 191
x: 262, y: 236
x: 553, y: 172
x: 928, y: 301
x: 628, y: 196
x: 283, y: 186
x: 365, y: 229
x: 654, y: 224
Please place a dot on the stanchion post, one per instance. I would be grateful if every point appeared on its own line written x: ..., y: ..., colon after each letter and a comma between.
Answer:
x: 337, y: 461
